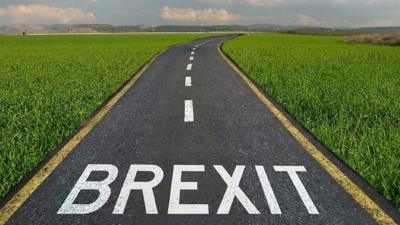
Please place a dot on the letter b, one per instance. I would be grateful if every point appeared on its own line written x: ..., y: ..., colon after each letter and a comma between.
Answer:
x: 68, y: 207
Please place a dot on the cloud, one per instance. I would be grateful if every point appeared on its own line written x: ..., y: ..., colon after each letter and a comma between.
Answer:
x: 341, y: 1
x: 375, y: 2
x: 263, y: 2
x: 299, y: 19
x: 37, y: 14
x: 258, y: 3
x: 217, y: 16
x: 193, y: 15
x: 245, y: 2
x: 308, y: 20
x: 270, y: 3
x: 225, y: 2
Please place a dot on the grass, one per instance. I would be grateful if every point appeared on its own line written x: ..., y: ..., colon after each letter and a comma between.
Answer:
x: 50, y: 84
x: 381, y: 39
x: 346, y: 95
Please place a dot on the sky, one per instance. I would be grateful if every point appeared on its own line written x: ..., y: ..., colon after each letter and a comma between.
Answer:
x: 326, y: 13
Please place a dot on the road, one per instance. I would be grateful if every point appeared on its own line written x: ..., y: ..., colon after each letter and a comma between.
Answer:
x: 191, y: 143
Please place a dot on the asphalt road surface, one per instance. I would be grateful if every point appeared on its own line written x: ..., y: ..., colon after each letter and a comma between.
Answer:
x: 191, y: 143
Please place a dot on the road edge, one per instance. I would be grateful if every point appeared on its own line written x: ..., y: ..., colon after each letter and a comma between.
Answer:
x: 319, y: 152
x: 19, y: 194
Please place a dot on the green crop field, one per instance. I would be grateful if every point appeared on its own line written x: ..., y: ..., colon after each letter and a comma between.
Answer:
x: 50, y: 84
x: 348, y: 96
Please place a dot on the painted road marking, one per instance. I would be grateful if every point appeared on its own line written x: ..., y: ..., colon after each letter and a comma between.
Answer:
x: 345, y: 182
x: 292, y: 172
x: 147, y: 188
x: 268, y: 192
x: 192, y: 53
x: 189, y: 117
x: 177, y: 185
x: 69, y: 207
x: 191, y: 58
x: 194, y: 49
x: 188, y: 81
x: 233, y: 190
x: 189, y: 66
x: 26, y: 191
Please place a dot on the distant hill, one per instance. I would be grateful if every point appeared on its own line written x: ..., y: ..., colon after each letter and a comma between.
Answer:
x: 106, y: 28
x: 13, y: 29
x: 378, y: 30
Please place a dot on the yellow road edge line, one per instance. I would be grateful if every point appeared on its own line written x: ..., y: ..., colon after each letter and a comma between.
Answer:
x: 23, y: 194
x: 361, y: 198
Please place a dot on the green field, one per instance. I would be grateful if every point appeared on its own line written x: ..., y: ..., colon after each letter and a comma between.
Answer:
x: 50, y: 84
x: 348, y: 96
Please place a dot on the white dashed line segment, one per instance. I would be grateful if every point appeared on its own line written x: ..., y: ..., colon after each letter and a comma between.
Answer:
x: 188, y: 81
x: 189, y: 67
x: 191, y: 58
x: 189, y: 117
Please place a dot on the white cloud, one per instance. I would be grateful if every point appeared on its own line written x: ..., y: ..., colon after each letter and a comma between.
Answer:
x: 388, y: 3
x: 263, y: 2
x: 37, y: 13
x: 289, y: 20
x: 374, y: 2
x: 225, y: 2
x: 245, y: 2
x: 308, y: 20
x: 341, y: 1
x: 217, y: 16
x: 193, y: 15
x: 258, y: 3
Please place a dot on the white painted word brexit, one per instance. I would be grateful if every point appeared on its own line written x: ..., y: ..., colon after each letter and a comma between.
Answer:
x: 177, y: 185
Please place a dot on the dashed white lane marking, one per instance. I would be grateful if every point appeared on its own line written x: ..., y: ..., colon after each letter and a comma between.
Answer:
x: 189, y: 67
x: 188, y: 81
x: 191, y: 58
x: 194, y: 49
x: 189, y: 117
x: 192, y: 53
